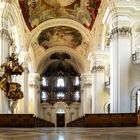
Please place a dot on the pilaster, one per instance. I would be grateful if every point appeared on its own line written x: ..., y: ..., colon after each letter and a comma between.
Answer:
x: 120, y: 56
x: 86, y: 94
x: 97, y: 69
x: 34, y: 93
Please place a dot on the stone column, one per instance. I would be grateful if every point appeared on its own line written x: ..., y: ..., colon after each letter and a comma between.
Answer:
x: 86, y: 95
x: 120, y: 56
x: 34, y: 93
x: 98, y: 86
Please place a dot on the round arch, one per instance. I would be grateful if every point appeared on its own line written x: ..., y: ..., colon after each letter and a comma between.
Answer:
x: 60, y: 22
x: 79, y: 62
x: 133, y: 97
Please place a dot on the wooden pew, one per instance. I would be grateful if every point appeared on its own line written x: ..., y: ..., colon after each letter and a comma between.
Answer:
x: 23, y: 120
x: 39, y: 122
x: 79, y: 122
x: 105, y: 120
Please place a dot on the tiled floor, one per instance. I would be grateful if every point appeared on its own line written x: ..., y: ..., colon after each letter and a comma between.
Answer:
x: 123, y: 133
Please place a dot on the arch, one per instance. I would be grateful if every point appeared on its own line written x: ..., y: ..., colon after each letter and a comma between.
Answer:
x: 60, y: 22
x: 80, y: 62
x: 15, y: 18
x: 133, y: 97
x: 60, y: 106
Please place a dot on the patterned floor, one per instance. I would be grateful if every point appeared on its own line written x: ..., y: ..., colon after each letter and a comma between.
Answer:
x: 123, y: 133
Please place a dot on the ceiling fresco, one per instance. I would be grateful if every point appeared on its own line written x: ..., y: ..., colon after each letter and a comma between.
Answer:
x: 60, y: 36
x: 37, y: 11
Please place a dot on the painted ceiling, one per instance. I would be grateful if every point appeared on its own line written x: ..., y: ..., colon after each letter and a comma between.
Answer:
x: 60, y: 36
x: 36, y: 12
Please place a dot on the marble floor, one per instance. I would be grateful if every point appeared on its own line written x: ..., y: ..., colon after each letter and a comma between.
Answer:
x: 110, y: 133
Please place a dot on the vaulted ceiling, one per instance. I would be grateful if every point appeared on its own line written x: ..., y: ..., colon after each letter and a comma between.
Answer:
x: 36, y: 12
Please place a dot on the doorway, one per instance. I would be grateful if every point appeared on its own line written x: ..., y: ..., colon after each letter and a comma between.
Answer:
x: 60, y: 120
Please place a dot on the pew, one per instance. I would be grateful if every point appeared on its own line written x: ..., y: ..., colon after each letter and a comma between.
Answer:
x: 79, y: 122
x: 23, y: 120
x: 105, y: 120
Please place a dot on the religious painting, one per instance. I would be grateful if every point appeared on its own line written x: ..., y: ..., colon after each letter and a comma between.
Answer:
x: 36, y: 12
x: 60, y: 36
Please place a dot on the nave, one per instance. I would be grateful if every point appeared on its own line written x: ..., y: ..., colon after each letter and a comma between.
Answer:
x: 109, y: 133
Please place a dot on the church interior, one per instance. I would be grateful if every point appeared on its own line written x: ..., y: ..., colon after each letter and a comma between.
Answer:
x: 67, y: 64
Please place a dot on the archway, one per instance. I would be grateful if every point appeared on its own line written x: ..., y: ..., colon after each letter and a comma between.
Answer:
x: 135, y: 98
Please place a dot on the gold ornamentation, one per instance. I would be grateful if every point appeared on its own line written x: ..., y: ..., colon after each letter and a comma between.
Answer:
x: 11, y: 67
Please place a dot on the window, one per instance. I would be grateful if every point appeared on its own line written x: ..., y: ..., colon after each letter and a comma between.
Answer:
x: 44, y: 81
x: 76, y: 81
x: 60, y: 95
x: 76, y: 95
x: 60, y: 82
x: 44, y: 96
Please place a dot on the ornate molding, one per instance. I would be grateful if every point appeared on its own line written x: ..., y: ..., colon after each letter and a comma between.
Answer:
x: 123, y: 32
x: 99, y: 68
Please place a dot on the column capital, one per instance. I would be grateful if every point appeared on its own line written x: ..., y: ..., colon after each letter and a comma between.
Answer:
x: 120, y: 31
x: 99, y: 68
x: 86, y: 80
x: 98, y: 62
